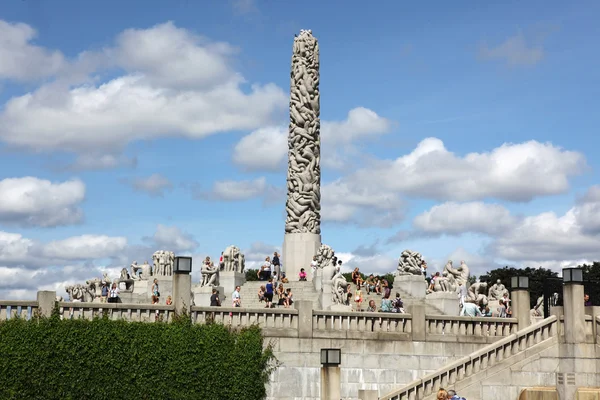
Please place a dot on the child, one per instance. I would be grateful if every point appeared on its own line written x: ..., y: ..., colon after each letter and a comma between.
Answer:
x: 261, y: 293
x: 358, y: 298
x: 302, y: 274
x: 169, y: 300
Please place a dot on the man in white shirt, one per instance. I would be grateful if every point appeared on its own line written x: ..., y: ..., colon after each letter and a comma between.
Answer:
x: 470, y: 310
x: 236, y: 299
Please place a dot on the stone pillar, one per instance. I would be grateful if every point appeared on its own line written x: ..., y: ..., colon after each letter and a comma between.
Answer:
x: 305, y: 318
x: 228, y: 280
x: 303, y: 206
x: 413, y: 285
x: 202, y: 295
x: 46, y: 300
x: 574, y: 313
x: 364, y: 394
x: 331, y: 383
x: 418, y: 322
x: 182, y: 293
x: 521, y: 307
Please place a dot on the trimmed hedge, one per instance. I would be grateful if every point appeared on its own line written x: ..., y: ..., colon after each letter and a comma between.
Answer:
x: 104, y: 359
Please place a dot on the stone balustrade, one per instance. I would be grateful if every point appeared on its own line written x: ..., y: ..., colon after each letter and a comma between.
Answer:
x: 478, y: 361
x: 128, y: 312
x: 360, y: 325
x: 591, y: 329
x: 450, y: 328
x: 597, y: 329
x: 18, y: 309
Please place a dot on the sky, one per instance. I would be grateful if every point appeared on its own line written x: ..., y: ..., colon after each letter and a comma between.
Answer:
x: 464, y: 131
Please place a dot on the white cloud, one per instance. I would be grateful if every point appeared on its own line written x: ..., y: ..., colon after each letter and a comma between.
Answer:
x: 515, y: 172
x: 256, y: 254
x: 515, y: 51
x: 456, y: 218
x: 587, y: 211
x: 378, y: 264
x: 264, y: 149
x: 22, y: 60
x: 244, y: 189
x: 154, y: 185
x: 267, y: 148
x: 176, y: 85
x: 173, y: 239
x: 85, y: 247
x: 31, y: 201
x: 14, y: 248
x: 90, y: 161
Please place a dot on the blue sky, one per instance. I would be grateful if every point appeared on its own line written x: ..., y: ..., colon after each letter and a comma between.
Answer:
x: 463, y: 131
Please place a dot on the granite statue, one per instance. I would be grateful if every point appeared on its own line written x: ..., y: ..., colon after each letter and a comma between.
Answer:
x: 80, y: 292
x: 325, y: 256
x: 477, y: 293
x: 409, y: 263
x: 126, y: 280
x: 339, y: 288
x: 210, y: 275
x: 163, y: 262
x: 145, y: 271
x: 497, y: 291
x: 538, y: 310
x: 233, y: 260
x: 451, y: 278
x: 303, y: 204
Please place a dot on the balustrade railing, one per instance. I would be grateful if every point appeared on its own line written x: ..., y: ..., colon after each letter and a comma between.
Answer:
x: 478, y: 361
x: 325, y: 322
x: 18, y: 309
x: 470, y: 326
x: 598, y: 329
x: 128, y: 312
x: 267, y: 319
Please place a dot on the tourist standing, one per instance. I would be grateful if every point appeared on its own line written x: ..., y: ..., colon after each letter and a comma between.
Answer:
x: 586, y: 300
x: 269, y: 293
x: 104, y: 297
x: 214, y: 299
x: 276, y: 265
x: 236, y: 298
x: 114, y: 294
x: 155, y: 292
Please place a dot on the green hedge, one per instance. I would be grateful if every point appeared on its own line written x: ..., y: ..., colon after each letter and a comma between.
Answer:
x: 103, y: 359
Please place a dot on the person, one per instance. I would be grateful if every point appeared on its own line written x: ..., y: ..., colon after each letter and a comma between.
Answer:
x: 358, y: 298
x: 370, y: 284
x: 236, y: 298
x: 586, y: 300
x: 284, y: 279
x: 269, y: 293
x: 169, y: 300
x: 371, y: 307
x: 470, y: 309
x: 221, y: 262
x: 424, y: 268
x: 302, y: 275
x: 214, y: 299
x: 487, y: 312
x: 432, y: 281
x: 288, y: 298
x: 378, y: 286
x: 104, y: 297
x: 501, y: 309
x: 398, y: 304
x: 385, y: 287
x: 441, y: 395
x: 386, y: 304
x: 261, y: 293
x: 453, y: 396
x: 266, y: 269
x: 506, y: 301
x: 155, y: 292
x: 113, y: 296
x: 280, y: 294
x: 276, y: 265
x: 356, y: 276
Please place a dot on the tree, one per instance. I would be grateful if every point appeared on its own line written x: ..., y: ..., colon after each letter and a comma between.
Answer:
x: 591, y: 272
x: 537, y: 276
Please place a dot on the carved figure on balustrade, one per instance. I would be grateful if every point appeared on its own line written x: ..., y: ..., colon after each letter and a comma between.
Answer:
x: 162, y: 262
x: 95, y: 287
x: 79, y: 292
x: 497, y: 291
x: 210, y: 275
x: 409, y: 263
x: 325, y: 256
x: 145, y: 271
x: 233, y: 260
x: 538, y: 309
x: 477, y: 293
x: 339, y: 287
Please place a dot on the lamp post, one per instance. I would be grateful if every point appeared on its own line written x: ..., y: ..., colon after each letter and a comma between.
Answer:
x: 182, y: 284
x: 331, y: 387
x: 574, y: 310
x: 521, y: 301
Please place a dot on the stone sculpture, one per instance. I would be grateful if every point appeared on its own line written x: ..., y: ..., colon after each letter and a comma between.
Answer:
x: 210, y: 275
x: 325, y: 256
x: 451, y: 278
x: 80, y: 292
x: 233, y: 260
x: 497, y: 291
x: 409, y: 263
x: 126, y: 280
x: 303, y: 204
x: 477, y: 292
x: 538, y: 309
x: 339, y: 288
x: 163, y: 262
x: 145, y: 268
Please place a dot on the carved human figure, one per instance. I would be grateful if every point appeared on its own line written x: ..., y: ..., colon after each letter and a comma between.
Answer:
x: 538, y: 309
x: 497, y: 291
x: 210, y: 275
x: 409, y: 263
x: 339, y: 287
x: 163, y: 262
x: 303, y: 206
x: 325, y: 256
x: 233, y: 259
x: 477, y: 292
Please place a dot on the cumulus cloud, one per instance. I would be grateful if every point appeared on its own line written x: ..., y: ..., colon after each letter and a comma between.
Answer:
x: 267, y: 148
x: 514, y: 172
x: 154, y: 185
x: 456, y: 218
x: 514, y: 51
x: 257, y: 252
x: 176, y: 84
x: 377, y: 264
x: 230, y: 190
x: 31, y: 201
x: 174, y: 239
x: 84, y: 247
x: 21, y: 59
x: 90, y: 161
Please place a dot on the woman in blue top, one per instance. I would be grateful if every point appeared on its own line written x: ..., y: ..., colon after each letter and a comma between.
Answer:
x: 386, y: 304
x: 269, y: 293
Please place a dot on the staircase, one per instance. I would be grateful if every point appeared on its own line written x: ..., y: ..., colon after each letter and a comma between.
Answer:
x: 469, y: 372
x: 406, y: 299
x: 300, y: 291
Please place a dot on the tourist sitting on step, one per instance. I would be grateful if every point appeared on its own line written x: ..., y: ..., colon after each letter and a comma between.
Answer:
x: 372, y: 306
x: 370, y: 284
x: 288, y: 301
x: 453, y: 396
x: 398, y: 304
x: 261, y: 293
x: 378, y: 286
x: 284, y: 279
x: 356, y: 276
x: 358, y: 298
x: 386, y: 304
x: 302, y: 275
x: 280, y: 294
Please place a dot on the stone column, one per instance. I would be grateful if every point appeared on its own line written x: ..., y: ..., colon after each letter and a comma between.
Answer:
x: 46, y: 300
x: 574, y: 313
x: 303, y: 206
x: 419, y: 324
x: 521, y: 307
x: 305, y: 318
x: 182, y: 293
x: 331, y: 383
